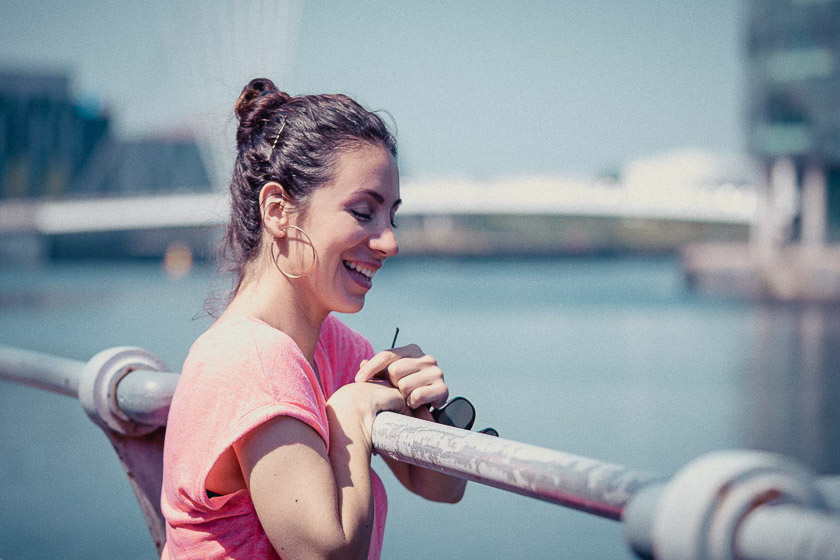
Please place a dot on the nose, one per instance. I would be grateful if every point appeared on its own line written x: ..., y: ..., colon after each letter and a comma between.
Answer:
x: 385, y: 242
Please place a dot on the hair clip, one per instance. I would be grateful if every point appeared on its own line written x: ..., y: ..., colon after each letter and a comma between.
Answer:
x: 277, y: 138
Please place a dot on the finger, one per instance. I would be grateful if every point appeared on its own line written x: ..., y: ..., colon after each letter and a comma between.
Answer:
x: 434, y: 395
x: 369, y: 368
x: 388, y: 397
x: 428, y: 376
x: 383, y: 359
x: 410, y: 367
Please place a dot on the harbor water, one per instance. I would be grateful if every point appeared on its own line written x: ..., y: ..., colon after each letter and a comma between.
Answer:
x: 612, y: 358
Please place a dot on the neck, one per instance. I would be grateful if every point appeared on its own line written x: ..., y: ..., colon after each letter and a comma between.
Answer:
x: 277, y: 302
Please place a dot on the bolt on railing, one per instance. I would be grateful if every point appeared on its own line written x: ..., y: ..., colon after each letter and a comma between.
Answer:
x: 735, y: 504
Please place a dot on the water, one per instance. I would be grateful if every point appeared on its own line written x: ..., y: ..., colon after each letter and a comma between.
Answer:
x: 613, y: 359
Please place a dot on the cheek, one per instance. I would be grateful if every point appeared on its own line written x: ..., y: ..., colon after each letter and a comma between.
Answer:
x: 346, y: 238
x: 336, y: 236
x: 333, y: 250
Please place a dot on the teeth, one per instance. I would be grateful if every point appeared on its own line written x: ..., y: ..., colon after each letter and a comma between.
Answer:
x: 360, y: 269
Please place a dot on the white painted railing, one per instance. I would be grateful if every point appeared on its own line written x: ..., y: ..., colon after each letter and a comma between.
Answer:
x: 722, y: 506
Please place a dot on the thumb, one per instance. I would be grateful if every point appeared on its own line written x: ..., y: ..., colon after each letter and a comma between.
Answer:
x: 370, y: 368
x: 358, y: 378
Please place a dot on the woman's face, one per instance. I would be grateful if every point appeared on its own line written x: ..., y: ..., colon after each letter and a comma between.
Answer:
x: 350, y: 221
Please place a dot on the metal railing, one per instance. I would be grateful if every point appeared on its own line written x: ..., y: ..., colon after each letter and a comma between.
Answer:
x: 726, y: 505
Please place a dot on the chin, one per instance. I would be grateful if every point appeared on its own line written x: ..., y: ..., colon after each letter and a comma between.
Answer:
x: 350, y: 306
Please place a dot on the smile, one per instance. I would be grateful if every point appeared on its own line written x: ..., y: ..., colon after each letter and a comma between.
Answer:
x: 366, y: 272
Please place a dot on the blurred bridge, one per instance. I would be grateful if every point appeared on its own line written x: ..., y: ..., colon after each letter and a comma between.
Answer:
x: 519, y: 197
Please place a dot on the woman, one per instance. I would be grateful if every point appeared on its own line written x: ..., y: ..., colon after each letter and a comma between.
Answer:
x: 268, y: 443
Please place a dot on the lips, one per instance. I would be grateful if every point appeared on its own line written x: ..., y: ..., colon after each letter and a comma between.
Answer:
x: 363, y: 270
x: 361, y: 274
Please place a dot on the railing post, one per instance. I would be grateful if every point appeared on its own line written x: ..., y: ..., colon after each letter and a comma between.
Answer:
x: 734, y: 504
x: 138, y: 446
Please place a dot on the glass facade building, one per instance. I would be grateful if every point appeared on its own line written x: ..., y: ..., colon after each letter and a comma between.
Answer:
x: 46, y: 140
x: 793, y: 95
x: 53, y: 146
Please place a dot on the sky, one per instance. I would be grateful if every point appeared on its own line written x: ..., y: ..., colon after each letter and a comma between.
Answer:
x: 477, y: 90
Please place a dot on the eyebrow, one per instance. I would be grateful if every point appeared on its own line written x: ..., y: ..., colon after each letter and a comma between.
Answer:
x: 379, y: 198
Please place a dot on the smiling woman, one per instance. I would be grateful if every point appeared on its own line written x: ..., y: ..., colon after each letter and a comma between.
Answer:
x: 350, y: 220
x: 268, y: 440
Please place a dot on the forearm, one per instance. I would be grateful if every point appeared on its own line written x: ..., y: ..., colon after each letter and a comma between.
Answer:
x: 436, y: 486
x: 349, y: 456
x: 429, y: 484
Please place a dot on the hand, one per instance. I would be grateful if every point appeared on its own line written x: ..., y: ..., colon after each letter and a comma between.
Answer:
x: 353, y: 408
x: 415, y: 374
x: 365, y: 401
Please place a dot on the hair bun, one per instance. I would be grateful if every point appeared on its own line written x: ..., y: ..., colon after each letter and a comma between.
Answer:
x: 257, y: 88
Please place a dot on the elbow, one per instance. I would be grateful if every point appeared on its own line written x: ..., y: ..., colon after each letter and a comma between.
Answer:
x: 454, y: 496
x: 437, y: 487
x: 343, y: 548
x: 448, y: 494
x: 342, y: 553
x: 326, y: 544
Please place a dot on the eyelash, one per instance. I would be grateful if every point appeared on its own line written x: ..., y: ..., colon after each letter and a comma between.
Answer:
x: 362, y: 217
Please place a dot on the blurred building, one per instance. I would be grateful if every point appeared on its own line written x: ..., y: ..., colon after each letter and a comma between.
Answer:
x: 55, y: 149
x: 793, y: 131
x: 793, y: 114
x: 54, y: 146
x: 154, y: 165
x: 46, y: 139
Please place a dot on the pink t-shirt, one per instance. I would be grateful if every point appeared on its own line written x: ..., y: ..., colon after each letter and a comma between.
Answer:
x: 239, y: 374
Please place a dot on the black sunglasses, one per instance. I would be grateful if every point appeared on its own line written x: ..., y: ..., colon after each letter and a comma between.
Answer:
x: 457, y: 412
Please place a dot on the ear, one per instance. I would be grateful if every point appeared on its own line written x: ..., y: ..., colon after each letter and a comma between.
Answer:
x: 273, y: 206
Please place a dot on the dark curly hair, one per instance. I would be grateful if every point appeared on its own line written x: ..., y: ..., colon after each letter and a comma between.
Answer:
x: 294, y: 141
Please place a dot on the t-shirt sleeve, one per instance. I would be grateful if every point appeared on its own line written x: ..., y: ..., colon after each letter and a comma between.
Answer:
x: 235, y: 380
x: 283, y: 384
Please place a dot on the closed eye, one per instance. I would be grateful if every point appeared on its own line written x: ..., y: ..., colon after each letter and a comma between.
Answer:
x: 394, y: 209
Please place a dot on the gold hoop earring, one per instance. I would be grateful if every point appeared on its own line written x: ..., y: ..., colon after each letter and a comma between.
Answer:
x: 311, y: 245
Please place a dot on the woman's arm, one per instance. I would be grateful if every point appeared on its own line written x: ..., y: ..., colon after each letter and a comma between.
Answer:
x: 429, y: 484
x: 310, y: 502
x: 420, y: 382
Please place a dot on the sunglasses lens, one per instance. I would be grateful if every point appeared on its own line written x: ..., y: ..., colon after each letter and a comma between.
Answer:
x: 489, y: 432
x: 458, y: 412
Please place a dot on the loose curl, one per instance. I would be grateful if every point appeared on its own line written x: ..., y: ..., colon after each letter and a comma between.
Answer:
x: 294, y: 141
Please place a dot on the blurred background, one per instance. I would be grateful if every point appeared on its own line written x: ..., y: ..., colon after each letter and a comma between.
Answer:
x: 618, y: 237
